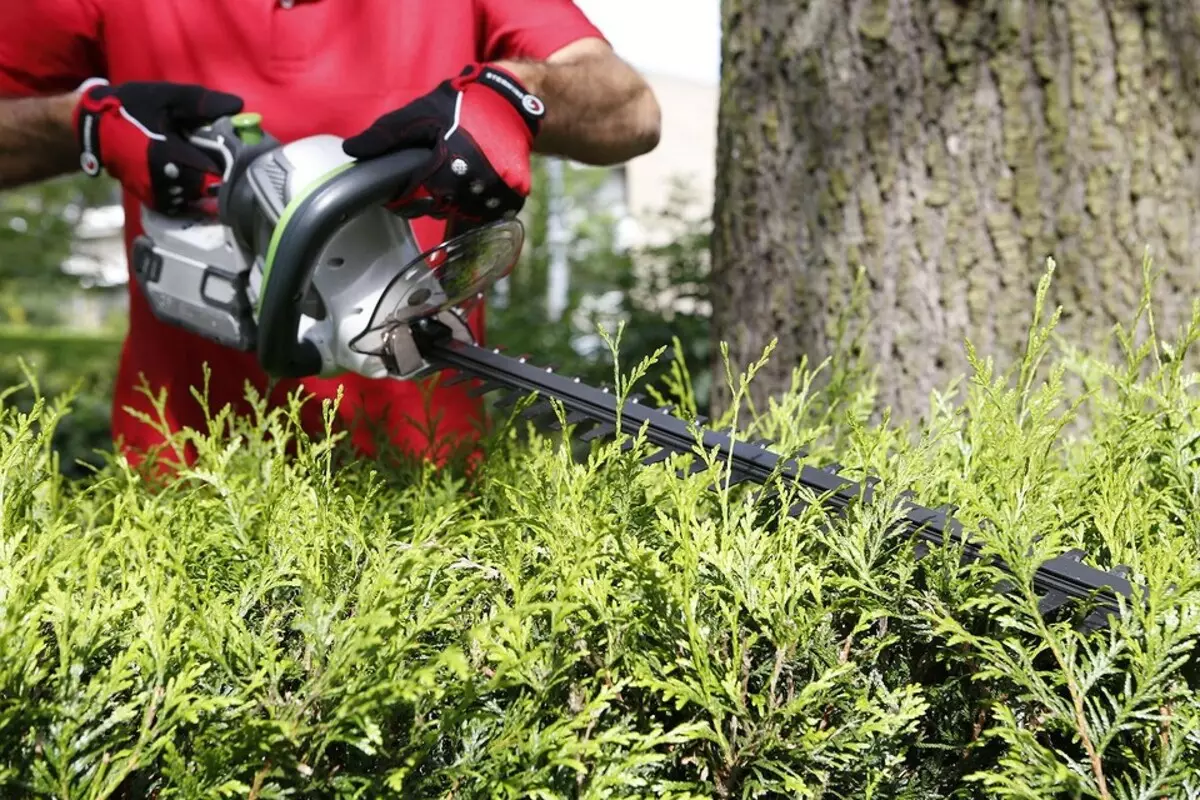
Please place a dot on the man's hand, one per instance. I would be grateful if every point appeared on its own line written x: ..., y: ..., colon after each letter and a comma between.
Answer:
x: 136, y: 132
x: 480, y: 128
x: 599, y: 110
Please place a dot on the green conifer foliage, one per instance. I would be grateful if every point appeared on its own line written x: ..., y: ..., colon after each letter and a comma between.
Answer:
x: 274, y: 625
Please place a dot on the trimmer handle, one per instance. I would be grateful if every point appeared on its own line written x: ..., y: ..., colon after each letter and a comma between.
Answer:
x: 235, y: 142
x: 310, y: 222
x: 229, y: 138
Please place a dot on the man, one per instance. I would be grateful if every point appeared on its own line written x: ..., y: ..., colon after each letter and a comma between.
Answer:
x: 105, y: 85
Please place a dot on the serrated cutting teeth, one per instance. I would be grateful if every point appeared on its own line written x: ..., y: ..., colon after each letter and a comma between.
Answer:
x: 457, y: 378
x: 733, y: 478
x: 1052, y: 601
x: 657, y: 457
x: 601, y: 430
x: 539, y: 408
x: 509, y: 399
x: 487, y: 387
x: 1057, y: 582
x: 697, y: 465
x: 571, y: 418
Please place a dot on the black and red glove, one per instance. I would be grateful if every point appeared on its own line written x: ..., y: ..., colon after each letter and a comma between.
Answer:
x: 481, y: 126
x: 137, y: 133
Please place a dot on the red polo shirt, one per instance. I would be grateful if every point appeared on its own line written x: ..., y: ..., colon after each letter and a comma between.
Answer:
x: 309, y: 67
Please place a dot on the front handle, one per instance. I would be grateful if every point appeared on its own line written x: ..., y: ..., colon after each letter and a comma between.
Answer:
x: 309, y: 224
x: 235, y: 142
x: 230, y: 140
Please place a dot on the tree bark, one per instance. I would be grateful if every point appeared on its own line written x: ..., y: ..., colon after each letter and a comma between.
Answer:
x: 949, y: 148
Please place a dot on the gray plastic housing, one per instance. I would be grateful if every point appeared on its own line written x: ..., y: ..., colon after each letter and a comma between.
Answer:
x: 338, y: 255
x: 194, y: 271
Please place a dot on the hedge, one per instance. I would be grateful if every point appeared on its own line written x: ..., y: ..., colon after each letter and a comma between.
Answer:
x: 64, y: 361
x: 275, y: 625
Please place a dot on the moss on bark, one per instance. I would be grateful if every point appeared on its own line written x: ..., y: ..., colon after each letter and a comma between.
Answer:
x: 949, y: 148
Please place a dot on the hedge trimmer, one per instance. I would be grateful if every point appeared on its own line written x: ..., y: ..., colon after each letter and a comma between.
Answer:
x: 306, y: 266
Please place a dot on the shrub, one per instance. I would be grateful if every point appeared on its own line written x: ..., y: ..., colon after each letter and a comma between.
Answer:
x: 38, y: 224
x: 62, y: 361
x: 311, y: 625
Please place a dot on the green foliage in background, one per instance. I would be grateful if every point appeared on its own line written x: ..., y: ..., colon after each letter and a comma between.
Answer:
x: 658, y: 290
x: 37, y: 233
x: 37, y: 228
x: 62, y: 361
x: 266, y: 625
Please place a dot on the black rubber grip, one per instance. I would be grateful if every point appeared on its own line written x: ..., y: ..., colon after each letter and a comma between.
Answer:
x: 315, y: 220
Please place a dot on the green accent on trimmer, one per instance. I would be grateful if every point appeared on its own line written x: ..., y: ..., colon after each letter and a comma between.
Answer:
x: 285, y: 218
x: 248, y: 126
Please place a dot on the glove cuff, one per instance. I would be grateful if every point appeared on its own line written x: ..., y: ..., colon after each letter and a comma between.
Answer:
x: 504, y: 83
x: 88, y: 84
x: 86, y: 121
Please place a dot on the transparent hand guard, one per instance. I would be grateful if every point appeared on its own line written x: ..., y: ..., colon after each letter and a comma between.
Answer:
x: 445, y: 277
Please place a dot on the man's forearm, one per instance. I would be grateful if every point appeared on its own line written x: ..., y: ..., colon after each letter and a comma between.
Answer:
x: 598, y: 109
x: 36, y: 139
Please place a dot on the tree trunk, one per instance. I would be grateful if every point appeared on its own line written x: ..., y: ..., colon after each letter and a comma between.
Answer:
x: 949, y: 147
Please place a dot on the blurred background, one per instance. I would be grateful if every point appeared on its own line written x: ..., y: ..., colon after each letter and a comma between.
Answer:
x: 604, y: 245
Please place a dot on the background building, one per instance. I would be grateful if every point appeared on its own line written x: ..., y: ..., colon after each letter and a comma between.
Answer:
x: 637, y: 190
x: 686, y: 152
